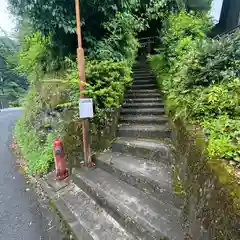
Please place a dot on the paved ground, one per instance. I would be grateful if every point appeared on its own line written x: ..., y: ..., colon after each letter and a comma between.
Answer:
x: 22, y: 216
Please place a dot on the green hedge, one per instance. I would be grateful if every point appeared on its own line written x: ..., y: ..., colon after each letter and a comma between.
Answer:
x: 51, y: 109
x: 200, y: 79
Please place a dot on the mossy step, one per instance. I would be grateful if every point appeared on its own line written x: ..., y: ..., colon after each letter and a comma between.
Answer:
x: 143, y: 81
x: 144, y: 86
x: 141, y: 77
x: 155, y: 150
x: 142, y: 71
x: 146, y: 217
x: 155, y: 131
x: 86, y: 219
x: 149, y: 176
x: 144, y: 100
x: 134, y: 95
x: 156, y: 104
x: 137, y: 91
x: 143, y: 111
x: 92, y: 221
x: 143, y: 119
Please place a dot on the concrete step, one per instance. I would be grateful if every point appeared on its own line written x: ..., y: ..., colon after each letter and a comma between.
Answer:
x: 146, y: 217
x: 143, y: 100
x: 134, y: 95
x: 143, y: 81
x: 144, y: 148
x: 143, y: 73
x: 151, y: 177
x: 143, y: 105
x: 141, y: 70
x: 143, y: 111
x: 143, y: 119
x: 87, y: 219
x: 140, y: 63
x: 141, y: 66
x: 144, y: 86
x: 140, y: 91
x: 137, y: 71
x: 143, y: 77
x: 153, y: 131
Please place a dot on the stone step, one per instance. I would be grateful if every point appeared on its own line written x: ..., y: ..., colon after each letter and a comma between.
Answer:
x: 143, y: 77
x: 143, y: 81
x: 153, y: 131
x: 142, y: 71
x: 143, y: 105
x: 88, y: 220
x: 132, y: 95
x: 142, y: 215
x: 143, y: 86
x: 141, y: 66
x: 143, y: 100
x: 140, y: 63
x: 144, y: 148
x: 143, y: 119
x: 143, y: 111
x: 151, y: 177
x: 139, y: 91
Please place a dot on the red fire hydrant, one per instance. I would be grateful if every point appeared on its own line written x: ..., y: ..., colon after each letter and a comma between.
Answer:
x: 59, y: 158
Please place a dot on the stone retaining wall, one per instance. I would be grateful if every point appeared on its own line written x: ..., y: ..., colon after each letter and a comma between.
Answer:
x: 209, y: 188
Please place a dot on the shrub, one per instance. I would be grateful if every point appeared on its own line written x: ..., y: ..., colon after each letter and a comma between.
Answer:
x: 51, y: 109
x: 14, y: 104
x: 223, y: 137
x: 216, y: 61
x: 201, y: 82
x: 37, y: 154
x: 121, y: 42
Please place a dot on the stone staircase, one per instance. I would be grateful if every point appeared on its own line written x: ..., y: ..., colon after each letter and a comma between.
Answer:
x: 129, y: 194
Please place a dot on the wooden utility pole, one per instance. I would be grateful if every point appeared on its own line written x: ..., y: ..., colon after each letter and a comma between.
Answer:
x: 82, y: 80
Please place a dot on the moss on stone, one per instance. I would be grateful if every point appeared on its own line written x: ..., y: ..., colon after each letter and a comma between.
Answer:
x: 211, y: 187
x: 177, y: 183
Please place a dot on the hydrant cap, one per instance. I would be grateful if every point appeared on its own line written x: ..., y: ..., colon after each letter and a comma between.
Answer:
x: 57, y: 141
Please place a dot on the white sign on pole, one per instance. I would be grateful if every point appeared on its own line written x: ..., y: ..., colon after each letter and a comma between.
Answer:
x: 86, y: 108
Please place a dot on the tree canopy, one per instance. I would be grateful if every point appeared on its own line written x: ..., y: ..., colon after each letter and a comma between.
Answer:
x: 57, y: 17
x: 11, y: 84
x: 106, y: 25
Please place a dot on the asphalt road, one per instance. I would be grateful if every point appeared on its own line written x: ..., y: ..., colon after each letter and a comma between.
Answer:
x: 23, y: 216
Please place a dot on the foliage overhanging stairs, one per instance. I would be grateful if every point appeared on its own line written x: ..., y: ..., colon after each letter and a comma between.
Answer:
x: 130, y: 191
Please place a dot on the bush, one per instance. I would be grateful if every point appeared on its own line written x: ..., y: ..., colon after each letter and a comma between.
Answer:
x: 216, y: 61
x: 121, y: 42
x: 51, y: 109
x: 38, y: 154
x: 200, y: 79
x: 14, y: 104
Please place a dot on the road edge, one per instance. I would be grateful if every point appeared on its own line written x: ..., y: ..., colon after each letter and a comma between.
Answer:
x: 51, y: 192
x: 69, y: 218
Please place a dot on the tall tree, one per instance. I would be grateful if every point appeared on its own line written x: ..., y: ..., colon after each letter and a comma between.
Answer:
x: 58, y: 17
x: 11, y: 85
